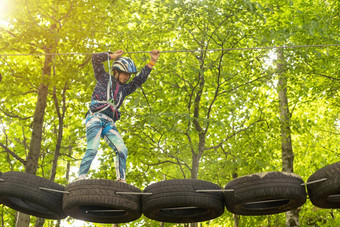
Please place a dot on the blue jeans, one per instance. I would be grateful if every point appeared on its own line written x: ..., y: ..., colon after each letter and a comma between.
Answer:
x: 94, y: 125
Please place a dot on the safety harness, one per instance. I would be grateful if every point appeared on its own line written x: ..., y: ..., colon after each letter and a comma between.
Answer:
x: 108, y: 103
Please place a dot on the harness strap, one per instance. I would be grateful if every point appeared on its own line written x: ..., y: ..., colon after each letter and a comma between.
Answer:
x: 108, y: 91
x: 114, y: 98
x: 107, y: 102
x: 105, y: 130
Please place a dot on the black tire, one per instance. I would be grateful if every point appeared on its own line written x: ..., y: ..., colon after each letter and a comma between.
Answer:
x: 325, y: 193
x: 265, y: 193
x: 20, y: 191
x: 96, y: 200
x: 176, y: 201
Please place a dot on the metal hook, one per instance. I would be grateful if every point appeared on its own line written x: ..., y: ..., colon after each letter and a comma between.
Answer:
x: 133, y: 193
x: 216, y: 190
x: 313, y: 182
x: 54, y: 190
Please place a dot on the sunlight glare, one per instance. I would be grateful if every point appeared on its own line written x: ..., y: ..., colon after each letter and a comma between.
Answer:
x: 4, y: 12
x: 4, y: 7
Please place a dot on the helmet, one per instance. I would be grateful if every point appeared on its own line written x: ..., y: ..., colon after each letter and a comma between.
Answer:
x: 124, y: 64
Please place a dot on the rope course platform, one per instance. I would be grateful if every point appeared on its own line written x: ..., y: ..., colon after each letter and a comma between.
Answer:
x: 173, y: 201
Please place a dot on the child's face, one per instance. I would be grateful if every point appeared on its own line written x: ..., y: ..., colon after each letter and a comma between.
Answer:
x: 124, y: 77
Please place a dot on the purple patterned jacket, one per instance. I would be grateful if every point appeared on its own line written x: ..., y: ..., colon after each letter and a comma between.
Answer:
x: 123, y: 90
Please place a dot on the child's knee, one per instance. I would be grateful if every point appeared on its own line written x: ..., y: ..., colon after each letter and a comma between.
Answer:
x: 122, y: 150
x: 90, y: 153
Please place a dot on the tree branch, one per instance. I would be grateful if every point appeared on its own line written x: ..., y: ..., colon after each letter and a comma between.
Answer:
x: 13, y: 115
x: 231, y: 136
x: 9, y: 151
x: 249, y: 82
x: 329, y: 77
x: 12, y: 34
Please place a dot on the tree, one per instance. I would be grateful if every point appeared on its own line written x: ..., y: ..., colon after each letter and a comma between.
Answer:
x: 212, y: 115
x: 39, y: 34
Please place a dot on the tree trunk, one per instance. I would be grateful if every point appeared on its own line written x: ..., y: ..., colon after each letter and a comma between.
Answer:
x: 39, y: 222
x: 31, y: 165
x: 195, y: 165
x: 61, y: 115
x: 2, y: 216
x: 23, y: 220
x: 200, y: 131
x: 292, y: 217
x: 235, y: 216
x: 194, y: 173
x: 38, y: 120
x: 68, y: 166
x: 236, y: 220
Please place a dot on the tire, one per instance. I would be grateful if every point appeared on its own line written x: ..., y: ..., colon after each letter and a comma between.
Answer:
x: 95, y: 200
x: 20, y: 191
x: 176, y: 201
x: 326, y: 193
x: 265, y: 193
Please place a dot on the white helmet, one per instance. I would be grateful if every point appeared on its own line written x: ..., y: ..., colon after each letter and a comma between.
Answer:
x: 124, y: 64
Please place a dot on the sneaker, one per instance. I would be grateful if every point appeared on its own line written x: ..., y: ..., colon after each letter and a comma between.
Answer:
x: 82, y: 177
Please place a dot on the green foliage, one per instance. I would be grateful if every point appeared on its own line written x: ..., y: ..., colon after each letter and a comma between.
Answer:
x: 201, y: 114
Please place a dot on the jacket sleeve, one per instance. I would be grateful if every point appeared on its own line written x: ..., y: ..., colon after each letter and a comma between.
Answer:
x: 138, y: 80
x: 97, y: 64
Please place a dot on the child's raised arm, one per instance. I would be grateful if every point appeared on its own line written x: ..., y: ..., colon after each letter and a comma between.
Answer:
x: 154, y: 54
x: 116, y: 54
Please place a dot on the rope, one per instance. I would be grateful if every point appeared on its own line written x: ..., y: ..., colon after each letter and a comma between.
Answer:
x: 109, y: 87
x: 183, y: 51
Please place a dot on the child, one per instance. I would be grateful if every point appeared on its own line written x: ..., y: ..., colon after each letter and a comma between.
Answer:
x: 107, y: 97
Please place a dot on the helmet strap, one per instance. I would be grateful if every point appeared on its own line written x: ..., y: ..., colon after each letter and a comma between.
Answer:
x: 117, y: 71
x: 118, y: 77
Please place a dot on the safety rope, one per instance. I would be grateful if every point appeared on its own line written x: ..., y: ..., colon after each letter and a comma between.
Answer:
x: 108, y: 92
x: 183, y: 51
x: 109, y: 66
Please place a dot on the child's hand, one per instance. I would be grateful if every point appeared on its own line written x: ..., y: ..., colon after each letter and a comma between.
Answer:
x: 154, y: 54
x: 116, y: 54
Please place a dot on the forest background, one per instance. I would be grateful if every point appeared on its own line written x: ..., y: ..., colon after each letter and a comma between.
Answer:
x: 210, y: 110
